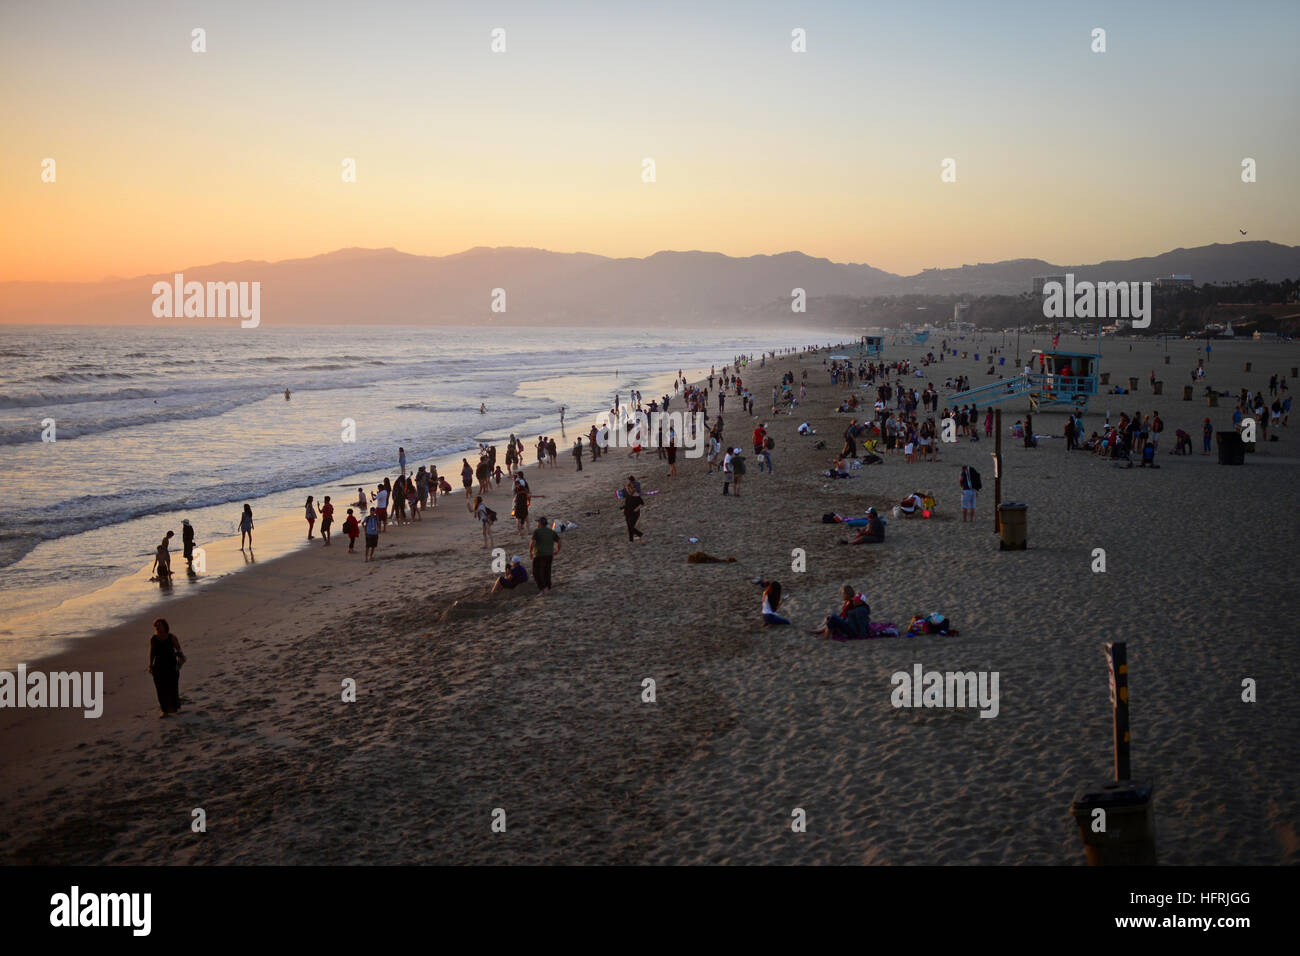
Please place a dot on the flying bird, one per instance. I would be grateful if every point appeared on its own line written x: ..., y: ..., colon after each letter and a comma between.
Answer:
x: 1242, y: 231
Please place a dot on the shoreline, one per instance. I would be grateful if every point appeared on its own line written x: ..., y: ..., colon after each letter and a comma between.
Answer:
x: 135, y: 595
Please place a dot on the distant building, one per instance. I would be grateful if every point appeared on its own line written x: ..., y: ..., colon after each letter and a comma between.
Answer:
x: 960, y: 311
x: 1175, y: 282
x: 1040, y: 281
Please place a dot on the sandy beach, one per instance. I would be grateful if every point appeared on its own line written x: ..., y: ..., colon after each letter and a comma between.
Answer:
x: 469, y: 701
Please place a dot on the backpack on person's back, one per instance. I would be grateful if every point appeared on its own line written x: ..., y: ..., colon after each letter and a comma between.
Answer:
x: 973, y: 478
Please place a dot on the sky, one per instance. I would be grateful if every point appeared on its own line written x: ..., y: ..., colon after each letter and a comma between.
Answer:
x: 166, y: 158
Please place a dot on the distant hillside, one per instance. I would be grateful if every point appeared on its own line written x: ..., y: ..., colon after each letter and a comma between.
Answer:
x: 385, y: 286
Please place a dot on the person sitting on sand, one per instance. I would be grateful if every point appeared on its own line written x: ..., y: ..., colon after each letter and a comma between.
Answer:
x: 515, y: 575
x: 911, y: 504
x: 873, y: 532
x: 772, y: 601
x: 839, y: 468
x: 852, y: 623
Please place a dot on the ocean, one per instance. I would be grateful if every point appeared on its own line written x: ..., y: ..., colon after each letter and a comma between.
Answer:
x: 151, y: 425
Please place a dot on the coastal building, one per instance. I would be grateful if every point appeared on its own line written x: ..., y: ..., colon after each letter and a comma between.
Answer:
x: 1175, y: 282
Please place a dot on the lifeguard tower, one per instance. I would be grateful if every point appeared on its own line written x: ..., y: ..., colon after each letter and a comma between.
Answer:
x: 1055, y: 377
x: 875, y: 344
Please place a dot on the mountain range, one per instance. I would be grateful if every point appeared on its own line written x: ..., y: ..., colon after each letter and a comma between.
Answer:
x: 389, y: 287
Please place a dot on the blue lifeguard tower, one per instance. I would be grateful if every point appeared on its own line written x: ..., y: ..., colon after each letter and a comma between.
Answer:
x: 875, y: 344
x: 1056, y: 377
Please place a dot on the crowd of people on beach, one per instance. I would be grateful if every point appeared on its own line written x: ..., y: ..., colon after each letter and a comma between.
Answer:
x: 904, y: 420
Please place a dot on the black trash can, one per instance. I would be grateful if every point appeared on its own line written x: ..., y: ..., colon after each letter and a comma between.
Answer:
x: 1232, y: 450
x: 1129, y: 834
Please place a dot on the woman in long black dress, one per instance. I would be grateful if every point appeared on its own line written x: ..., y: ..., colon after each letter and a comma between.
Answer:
x: 164, y: 664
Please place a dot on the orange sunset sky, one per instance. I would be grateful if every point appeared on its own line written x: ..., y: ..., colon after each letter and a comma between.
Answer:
x: 168, y: 158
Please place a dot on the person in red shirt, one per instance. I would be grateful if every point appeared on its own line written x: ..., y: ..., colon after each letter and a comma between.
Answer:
x: 352, y: 529
x: 326, y: 520
x: 760, y: 433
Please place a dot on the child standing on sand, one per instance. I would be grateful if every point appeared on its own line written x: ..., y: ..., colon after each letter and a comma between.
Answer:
x: 352, y: 530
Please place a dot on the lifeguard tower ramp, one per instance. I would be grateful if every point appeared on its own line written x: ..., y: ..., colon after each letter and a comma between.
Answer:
x: 1064, y: 378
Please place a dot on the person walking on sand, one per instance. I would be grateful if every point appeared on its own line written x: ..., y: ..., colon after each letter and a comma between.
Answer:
x: 372, y: 534
x: 246, y: 527
x: 737, y: 471
x: 187, y: 544
x: 577, y: 452
x: 311, y: 518
x: 522, y: 500
x: 165, y: 659
x: 632, y: 503
x: 543, y: 548
x: 326, y: 520
x: 485, y: 516
x: 352, y: 530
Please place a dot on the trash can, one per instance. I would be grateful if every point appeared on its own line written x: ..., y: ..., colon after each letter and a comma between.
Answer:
x: 1212, y: 400
x: 1232, y: 450
x: 1002, y: 360
x: 1132, y: 385
x: 1247, y: 366
x: 1014, y: 517
x: 1125, y: 835
x: 1187, y: 393
x: 1105, y: 378
x: 1295, y: 372
x: 1157, y: 387
x: 1166, y: 359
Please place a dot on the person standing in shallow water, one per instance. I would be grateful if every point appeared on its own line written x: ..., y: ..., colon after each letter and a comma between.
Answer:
x: 187, y: 542
x: 165, y: 658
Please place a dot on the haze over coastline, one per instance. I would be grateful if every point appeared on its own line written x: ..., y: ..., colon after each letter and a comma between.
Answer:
x: 389, y: 287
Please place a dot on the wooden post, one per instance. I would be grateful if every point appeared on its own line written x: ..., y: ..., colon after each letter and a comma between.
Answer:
x: 1117, y: 665
x: 997, y: 471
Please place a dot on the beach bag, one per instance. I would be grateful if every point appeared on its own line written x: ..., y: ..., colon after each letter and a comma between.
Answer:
x: 491, y: 516
x: 768, y: 443
x: 973, y: 477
